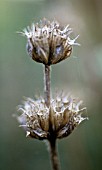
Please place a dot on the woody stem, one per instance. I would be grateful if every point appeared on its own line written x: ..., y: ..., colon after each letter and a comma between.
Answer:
x: 53, y: 154
x: 52, y: 137
x: 47, y: 85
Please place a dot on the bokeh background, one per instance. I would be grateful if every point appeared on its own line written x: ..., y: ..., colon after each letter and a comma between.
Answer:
x: 81, y: 75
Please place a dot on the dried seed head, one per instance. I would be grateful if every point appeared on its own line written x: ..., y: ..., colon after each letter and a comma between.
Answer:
x: 48, y: 42
x: 60, y: 119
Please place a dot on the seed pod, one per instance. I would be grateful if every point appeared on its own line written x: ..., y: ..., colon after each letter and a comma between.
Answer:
x: 61, y: 118
x: 48, y: 42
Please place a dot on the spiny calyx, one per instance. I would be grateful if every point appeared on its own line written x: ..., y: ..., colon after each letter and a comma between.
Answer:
x: 60, y: 119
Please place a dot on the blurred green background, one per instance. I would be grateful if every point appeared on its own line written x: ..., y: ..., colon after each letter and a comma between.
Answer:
x: 81, y: 74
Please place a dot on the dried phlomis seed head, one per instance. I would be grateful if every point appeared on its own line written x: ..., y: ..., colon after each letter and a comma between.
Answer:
x: 49, y: 42
x: 60, y: 119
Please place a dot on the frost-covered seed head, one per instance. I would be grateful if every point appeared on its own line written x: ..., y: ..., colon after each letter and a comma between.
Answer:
x: 49, y: 42
x: 63, y: 115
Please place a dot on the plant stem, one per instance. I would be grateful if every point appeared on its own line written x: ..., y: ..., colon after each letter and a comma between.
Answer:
x: 53, y: 154
x: 47, y: 85
x: 52, y: 137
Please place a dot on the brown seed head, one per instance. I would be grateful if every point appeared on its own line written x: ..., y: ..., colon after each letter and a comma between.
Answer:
x: 48, y: 42
x: 60, y: 119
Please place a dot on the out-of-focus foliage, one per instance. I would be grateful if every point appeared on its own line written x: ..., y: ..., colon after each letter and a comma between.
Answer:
x: 81, y: 74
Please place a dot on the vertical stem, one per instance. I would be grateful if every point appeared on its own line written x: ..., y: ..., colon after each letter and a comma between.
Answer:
x: 52, y: 137
x: 53, y: 155
x: 47, y: 85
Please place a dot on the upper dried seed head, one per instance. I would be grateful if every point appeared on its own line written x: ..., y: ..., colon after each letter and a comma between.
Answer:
x: 60, y: 119
x: 48, y: 42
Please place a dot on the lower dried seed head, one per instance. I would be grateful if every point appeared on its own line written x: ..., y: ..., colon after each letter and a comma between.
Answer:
x: 61, y: 118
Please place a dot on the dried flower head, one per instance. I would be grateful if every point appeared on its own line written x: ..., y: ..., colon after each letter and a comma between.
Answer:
x: 59, y: 120
x: 48, y: 42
